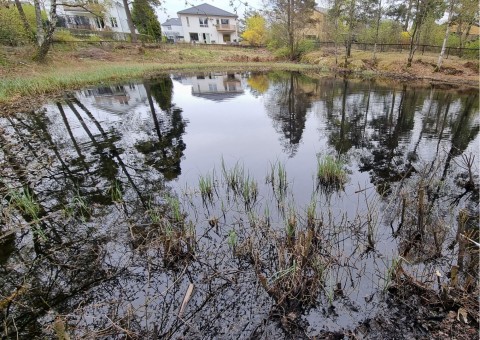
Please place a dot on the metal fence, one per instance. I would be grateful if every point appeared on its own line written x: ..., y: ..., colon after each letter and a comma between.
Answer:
x: 457, y: 51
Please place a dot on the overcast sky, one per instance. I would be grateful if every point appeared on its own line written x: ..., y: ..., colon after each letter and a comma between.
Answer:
x: 170, y: 8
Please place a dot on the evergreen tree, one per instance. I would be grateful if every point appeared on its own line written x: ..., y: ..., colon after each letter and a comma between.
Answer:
x: 145, y: 19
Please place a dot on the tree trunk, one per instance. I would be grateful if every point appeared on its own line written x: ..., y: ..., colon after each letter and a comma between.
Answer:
x: 351, y: 26
x: 291, y: 43
x: 379, y: 15
x: 416, y: 33
x: 407, y: 16
x: 38, y: 17
x: 131, y: 26
x: 44, y: 47
x: 25, y: 23
x: 463, y: 38
x: 447, y: 33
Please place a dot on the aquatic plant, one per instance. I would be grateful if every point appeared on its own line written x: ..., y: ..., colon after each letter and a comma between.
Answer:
x: 173, y: 208
x: 24, y: 201
x: 249, y: 191
x: 206, y: 186
x: 116, y: 191
x: 277, y: 177
x: 331, y: 172
x: 232, y: 239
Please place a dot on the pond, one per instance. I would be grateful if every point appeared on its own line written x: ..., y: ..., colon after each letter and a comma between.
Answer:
x: 234, y: 205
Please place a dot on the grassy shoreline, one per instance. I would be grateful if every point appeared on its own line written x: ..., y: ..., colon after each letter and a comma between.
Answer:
x: 12, y: 89
x: 72, y: 69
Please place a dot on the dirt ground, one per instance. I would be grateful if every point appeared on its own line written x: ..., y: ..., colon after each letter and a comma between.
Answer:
x: 392, y: 65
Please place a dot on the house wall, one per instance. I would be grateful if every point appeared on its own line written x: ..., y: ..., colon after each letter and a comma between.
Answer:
x: 115, y: 11
x: 175, y: 31
x: 192, y: 25
x: 212, y: 83
x: 118, y: 11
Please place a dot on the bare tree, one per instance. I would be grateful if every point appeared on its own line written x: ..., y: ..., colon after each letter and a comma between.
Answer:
x: 447, y: 33
x: 45, y: 41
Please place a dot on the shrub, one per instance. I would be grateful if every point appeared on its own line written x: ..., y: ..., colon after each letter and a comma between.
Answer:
x: 305, y: 46
x: 471, y: 54
x: 64, y: 36
x: 282, y: 53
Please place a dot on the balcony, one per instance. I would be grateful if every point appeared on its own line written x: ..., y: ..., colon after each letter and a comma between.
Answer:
x: 226, y: 28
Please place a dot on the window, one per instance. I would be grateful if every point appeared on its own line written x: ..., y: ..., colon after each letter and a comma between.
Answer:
x: 194, y: 36
x: 169, y: 28
x: 99, y: 22
x: 212, y: 87
x: 113, y: 22
x: 188, y: 22
x: 203, y: 22
x: 225, y: 22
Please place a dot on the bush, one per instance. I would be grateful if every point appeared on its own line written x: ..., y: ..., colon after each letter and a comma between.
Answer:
x: 305, y: 46
x: 282, y: 53
x: 64, y: 36
x: 94, y: 37
x: 472, y: 54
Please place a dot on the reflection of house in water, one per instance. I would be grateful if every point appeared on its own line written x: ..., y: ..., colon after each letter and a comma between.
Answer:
x: 215, y: 86
x: 117, y: 99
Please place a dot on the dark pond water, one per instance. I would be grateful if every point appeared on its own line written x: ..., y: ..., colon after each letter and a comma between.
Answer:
x: 118, y: 200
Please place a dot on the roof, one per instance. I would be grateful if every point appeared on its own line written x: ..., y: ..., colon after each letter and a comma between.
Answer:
x: 206, y: 9
x: 218, y: 96
x: 172, y: 22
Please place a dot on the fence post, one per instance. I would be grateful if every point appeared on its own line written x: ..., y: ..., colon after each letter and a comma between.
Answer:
x: 448, y: 52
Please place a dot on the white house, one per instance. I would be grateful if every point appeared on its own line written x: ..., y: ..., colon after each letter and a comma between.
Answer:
x: 209, y: 25
x: 173, y: 30
x: 80, y: 18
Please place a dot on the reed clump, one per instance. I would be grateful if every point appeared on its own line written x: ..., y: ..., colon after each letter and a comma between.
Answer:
x: 331, y: 172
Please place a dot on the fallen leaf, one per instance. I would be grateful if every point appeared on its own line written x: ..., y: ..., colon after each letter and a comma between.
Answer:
x: 462, y: 315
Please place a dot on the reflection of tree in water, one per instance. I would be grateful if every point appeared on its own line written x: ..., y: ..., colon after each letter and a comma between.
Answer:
x: 164, y: 149
x: 258, y: 83
x: 346, y: 119
x: 387, y: 162
x: 287, y: 104
x: 104, y: 275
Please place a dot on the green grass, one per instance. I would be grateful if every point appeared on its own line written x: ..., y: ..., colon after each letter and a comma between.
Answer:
x: 330, y: 171
x: 24, y: 201
x: 173, y: 206
x: 55, y: 81
x: 205, y: 184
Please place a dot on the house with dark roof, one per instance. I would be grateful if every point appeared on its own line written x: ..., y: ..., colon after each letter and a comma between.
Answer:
x: 173, y: 30
x: 207, y: 24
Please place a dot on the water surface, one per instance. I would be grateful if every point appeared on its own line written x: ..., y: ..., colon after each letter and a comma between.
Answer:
x: 92, y: 242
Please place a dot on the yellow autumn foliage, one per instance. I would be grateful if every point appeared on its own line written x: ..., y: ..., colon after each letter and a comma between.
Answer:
x: 256, y: 32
